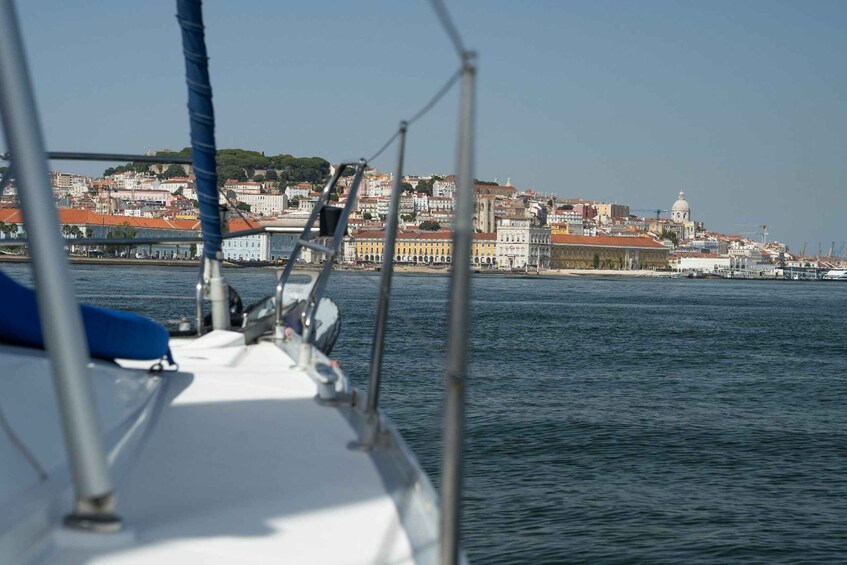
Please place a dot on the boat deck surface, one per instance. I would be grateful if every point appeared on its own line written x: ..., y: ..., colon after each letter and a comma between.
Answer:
x: 245, y: 466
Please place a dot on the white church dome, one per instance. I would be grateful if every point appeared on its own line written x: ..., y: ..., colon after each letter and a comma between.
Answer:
x: 681, y: 205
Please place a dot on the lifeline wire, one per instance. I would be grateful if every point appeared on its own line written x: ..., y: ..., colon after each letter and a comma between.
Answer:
x: 234, y: 206
x: 21, y: 447
x: 423, y: 111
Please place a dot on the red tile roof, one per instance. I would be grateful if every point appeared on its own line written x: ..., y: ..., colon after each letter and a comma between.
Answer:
x: 237, y: 224
x: 87, y: 217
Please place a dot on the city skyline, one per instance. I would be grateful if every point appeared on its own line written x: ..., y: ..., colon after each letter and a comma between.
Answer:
x: 737, y: 105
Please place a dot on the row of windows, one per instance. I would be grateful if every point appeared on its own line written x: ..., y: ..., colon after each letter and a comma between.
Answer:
x: 521, y: 238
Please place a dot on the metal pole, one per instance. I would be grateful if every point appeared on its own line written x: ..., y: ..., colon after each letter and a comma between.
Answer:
x: 199, y: 291
x: 315, y: 295
x: 61, y: 321
x: 378, y: 345
x: 457, y: 353
x: 295, y: 252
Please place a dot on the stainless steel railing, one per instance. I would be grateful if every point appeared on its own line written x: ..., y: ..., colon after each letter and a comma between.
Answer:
x: 457, y: 338
x: 61, y: 320
x: 371, y: 431
x: 331, y: 252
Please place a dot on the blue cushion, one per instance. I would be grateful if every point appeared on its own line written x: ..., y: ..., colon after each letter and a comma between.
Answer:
x: 111, y: 334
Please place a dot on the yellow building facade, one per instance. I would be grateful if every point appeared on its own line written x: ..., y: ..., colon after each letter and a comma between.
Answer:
x: 420, y: 248
x: 604, y: 252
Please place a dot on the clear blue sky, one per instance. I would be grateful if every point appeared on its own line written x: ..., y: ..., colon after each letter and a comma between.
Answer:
x: 740, y: 104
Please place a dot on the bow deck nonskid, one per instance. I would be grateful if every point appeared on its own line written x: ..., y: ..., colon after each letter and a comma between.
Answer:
x: 245, y: 465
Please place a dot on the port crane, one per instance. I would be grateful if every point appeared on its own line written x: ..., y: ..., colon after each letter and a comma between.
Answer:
x: 763, y: 231
x: 658, y: 211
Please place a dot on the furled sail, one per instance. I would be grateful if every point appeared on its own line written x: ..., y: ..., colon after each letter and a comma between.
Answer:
x: 202, y: 117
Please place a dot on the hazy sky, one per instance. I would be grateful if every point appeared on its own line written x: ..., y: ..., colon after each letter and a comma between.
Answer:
x: 739, y: 104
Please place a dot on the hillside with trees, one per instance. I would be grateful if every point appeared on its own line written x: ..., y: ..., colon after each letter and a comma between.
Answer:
x: 243, y: 165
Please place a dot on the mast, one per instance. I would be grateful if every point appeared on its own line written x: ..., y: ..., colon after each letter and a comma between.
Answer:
x: 202, y: 116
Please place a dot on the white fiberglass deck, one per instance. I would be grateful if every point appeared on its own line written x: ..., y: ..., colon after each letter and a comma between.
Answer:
x: 246, y: 467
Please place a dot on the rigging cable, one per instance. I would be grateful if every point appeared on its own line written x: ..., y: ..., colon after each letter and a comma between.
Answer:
x: 456, y: 39
x: 21, y: 447
x: 449, y: 27
x: 422, y: 112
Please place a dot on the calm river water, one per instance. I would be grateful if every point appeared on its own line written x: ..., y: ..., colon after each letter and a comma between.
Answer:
x: 640, y: 420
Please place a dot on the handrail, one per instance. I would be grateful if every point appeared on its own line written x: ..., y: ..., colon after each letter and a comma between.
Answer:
x: 118, y: 157
x: 311, y: 307
x: 58, y: 310
x: 137, y: 240
x: 306, y: 235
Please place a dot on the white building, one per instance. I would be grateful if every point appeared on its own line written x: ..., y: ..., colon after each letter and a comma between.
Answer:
x: 297, y: 192
x: 421, y: 202
x: 702, y: 264
x: 681, y: 215
x: 175, y: 183
x: 134, y: 181
x: 247, y: 248
x: 520, y: 245
x: 243, y: 187
x: 307, y: 203
x: 265, y: 204
x: 151, y: 196
x: 441, y: 203
x: 79, y: 186
x: 557, y: 216
x: 444, y: 188
x: 681, y: 210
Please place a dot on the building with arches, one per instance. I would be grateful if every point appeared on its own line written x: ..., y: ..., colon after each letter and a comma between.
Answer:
x: 421, y: 247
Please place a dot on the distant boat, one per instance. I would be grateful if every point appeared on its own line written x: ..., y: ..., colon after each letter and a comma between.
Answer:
x: 836, y: 275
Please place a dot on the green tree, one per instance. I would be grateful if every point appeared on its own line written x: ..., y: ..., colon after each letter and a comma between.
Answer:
x: 10, y: 229
x: 294, y: 203
x: 367, y: 216
x: 173, y: 171
x: 671, y: 236
x: 271, y: 175
x: 230, y: 172
x: 243, y: 206
x: 596, y: 261
x: 407, y: 187
x: 424, y: 186
x: 566, y: 207
x: 429, y: 225
x: 123, y: 231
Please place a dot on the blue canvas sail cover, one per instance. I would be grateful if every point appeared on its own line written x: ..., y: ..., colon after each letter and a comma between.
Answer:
x: 111, y: 334
x: 202, y: 118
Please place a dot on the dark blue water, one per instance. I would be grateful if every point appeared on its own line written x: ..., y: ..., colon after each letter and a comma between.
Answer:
x: 609, y: 421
